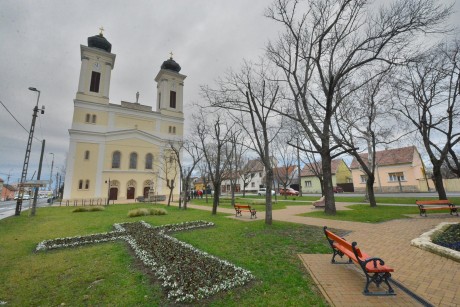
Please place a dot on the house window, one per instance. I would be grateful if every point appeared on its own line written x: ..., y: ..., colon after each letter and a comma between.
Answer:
x: 172, y: 99
x: 80, y: 184
x: 253, y: 184
x: 159, y: 101
x: 174, y: 130
x: 87, y: 155
x: 363, y: 178
x: 308, y: 184
x: 95, y: 80
x: 260, y: 175
x: 148, y: 161
x: 116, y: 157
x: 133, y: 160
x: 94, y: 119
x: 88, y: 117
x: 395, y: 177
x: 87, y: 184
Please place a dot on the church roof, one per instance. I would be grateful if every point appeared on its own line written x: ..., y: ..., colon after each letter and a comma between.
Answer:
x: 170, y: 64
x: 100, y: 42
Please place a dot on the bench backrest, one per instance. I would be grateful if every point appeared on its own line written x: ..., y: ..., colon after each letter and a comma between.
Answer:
x: 242, y: 206
x: 341, y: 241
x: 433, y: 202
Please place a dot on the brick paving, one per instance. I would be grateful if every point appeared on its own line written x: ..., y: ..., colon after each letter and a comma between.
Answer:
x: 432, y: 277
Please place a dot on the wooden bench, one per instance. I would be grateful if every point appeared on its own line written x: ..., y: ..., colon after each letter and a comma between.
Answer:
x: 439, y: 205
x: 246, y: 208
x: 374, y: 268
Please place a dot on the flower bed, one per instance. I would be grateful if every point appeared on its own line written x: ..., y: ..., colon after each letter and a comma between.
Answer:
x: 449, y: 238
x: 186, y: 273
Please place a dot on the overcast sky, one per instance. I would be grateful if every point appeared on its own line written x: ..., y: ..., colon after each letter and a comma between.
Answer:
x: 40, y: 47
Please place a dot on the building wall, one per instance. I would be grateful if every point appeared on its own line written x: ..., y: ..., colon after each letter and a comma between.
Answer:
x: 343, y: 173
x: 315, y: 184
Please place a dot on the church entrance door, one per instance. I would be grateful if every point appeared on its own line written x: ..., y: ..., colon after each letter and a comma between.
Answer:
x: 113, y: 193
x: 130, y: 193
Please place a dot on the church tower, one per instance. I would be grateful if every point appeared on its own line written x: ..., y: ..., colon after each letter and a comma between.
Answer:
x: 170, y: 89
x: 97, y: 63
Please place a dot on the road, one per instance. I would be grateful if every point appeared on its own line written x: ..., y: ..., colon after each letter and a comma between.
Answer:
x: 7, y: 208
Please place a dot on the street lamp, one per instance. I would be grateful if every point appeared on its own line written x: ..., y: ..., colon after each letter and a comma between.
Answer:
x: 28, y: 149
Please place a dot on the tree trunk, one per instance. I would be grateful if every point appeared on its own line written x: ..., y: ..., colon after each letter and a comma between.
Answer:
x: 215, y: 201
x: 370, y: 190
x: 327, y: 185
x: 268, y: 197
x: 437, y: 178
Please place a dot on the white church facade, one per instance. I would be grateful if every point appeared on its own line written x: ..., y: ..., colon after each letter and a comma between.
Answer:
x: 119, y: 150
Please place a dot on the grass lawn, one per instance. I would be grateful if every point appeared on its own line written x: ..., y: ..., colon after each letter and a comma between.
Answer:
x: 108, y: 274
x: 367, y: 214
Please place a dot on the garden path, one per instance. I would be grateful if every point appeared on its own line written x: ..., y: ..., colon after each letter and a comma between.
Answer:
x: 434, y: 278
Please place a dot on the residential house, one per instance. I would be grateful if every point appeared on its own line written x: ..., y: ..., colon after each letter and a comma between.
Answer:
x: 309, y: 178
x: 397, y: 170
x: 6, y: 191
x: 286, y: 175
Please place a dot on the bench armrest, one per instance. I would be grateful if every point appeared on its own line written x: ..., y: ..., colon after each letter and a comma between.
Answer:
x: 374, y: 260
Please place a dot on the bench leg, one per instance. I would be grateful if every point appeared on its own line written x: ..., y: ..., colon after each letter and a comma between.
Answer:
x: 337, y: 252
x: 238, y: 213
x: 253, y: 214
x: 377, y: 279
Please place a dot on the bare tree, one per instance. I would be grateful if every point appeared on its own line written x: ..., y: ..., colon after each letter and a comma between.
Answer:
x: 285, y: 172
x: 247, y: 173
x: 325, y: 45
x: 213, y: 135
x: 194, y: 155
x: 168, y: 170
x: 427, y: 93
x: 367, y: 121
x: 250, y: 96
x: 235, y: 153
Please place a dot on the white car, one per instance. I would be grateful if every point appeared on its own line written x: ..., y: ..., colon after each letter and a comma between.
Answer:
x: 24, y: 197
x: 263, y: 192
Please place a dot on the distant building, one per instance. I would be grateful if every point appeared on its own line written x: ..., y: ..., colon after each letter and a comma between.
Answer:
x: 6, y: 191
x: 397, y: 170
x: 120, y: 149
x: 309, y: 177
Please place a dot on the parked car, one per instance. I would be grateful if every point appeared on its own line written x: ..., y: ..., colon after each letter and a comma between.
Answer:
x: 337, y: 189
x: 24, y: 197
x: 289, y: 192
x: 263, y: 191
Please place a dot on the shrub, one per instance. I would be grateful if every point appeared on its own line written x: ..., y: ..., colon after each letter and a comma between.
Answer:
x: 144, y: 211
x: 88, y: 209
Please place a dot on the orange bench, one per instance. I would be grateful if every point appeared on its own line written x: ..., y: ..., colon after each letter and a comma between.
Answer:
x: 240, y: 208
x: 374, y: 268
x: 441, y: 204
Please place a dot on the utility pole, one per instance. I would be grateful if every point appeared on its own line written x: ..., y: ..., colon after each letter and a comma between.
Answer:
x: 34, y: 203
x: 25, y: 166
x: 51, y: 174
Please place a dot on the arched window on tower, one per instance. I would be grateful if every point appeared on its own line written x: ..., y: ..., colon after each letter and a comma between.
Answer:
x: 88, y: 117
x: 133, y: 160
x: 148, y: 161
x: 94, y: 119
x: 87, y: 184
x: 87, y: 155
x: 116, y: 157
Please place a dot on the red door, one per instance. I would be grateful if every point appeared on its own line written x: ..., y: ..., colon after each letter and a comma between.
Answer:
x: 130, y: 193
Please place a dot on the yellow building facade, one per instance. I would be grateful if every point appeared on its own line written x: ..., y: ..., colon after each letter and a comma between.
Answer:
x: 118, y: 151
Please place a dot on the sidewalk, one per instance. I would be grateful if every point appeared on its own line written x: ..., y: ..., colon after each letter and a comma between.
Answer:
x: 434, y: 278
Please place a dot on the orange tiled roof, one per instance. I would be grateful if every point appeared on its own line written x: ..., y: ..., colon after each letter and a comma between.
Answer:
x: 389, y: 156
x: 308, y: 168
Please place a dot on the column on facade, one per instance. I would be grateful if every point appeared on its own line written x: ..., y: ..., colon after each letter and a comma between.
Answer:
x: 83, y: 69
x: 108, y: 72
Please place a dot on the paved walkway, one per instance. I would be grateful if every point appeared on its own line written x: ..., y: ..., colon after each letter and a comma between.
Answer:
x: 434, y: 278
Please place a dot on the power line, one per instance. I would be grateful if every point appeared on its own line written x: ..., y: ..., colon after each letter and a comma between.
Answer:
x: 17, y: 120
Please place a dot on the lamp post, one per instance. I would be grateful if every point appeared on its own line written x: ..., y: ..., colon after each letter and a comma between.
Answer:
x: 25, y: 166
x: 108, y: 191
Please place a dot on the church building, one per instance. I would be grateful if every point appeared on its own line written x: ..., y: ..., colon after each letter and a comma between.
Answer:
x: 120, y: 150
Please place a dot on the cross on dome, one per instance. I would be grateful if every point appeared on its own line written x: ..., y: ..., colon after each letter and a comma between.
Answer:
x: 102, y: 30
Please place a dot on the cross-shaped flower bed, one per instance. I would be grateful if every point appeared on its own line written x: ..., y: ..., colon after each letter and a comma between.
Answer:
x: 186, y: 273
